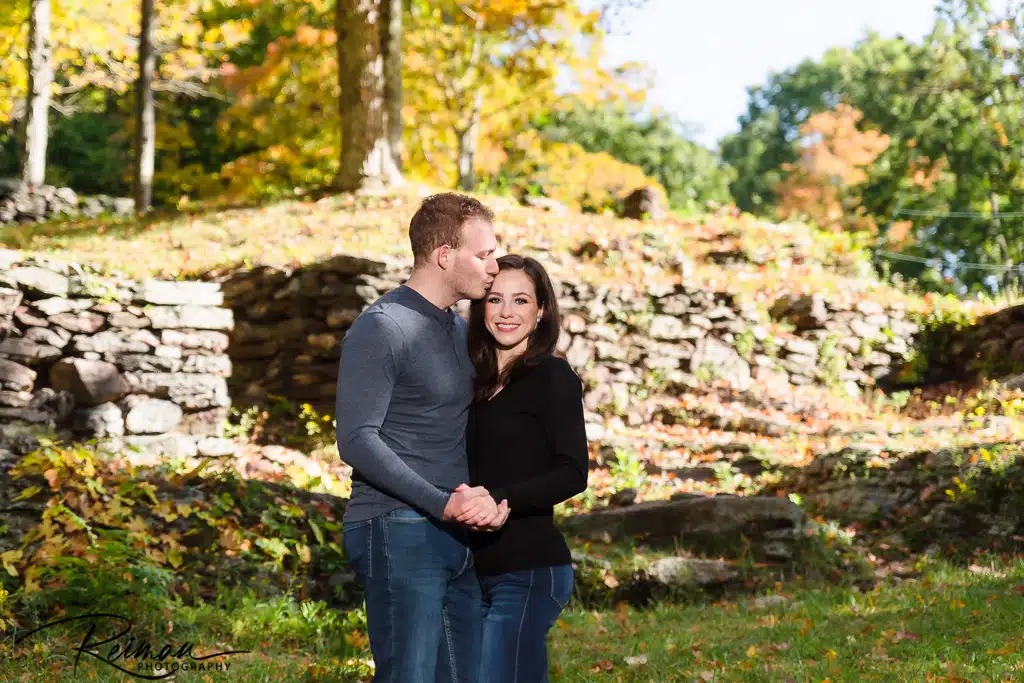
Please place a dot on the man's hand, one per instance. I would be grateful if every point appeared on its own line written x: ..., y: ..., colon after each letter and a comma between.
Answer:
x: 481, y: 514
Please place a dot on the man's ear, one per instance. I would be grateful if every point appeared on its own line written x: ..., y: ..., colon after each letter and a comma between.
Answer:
x: 443, y: 257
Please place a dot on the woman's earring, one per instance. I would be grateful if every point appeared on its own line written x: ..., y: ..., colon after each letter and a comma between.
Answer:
x: 539, y: 319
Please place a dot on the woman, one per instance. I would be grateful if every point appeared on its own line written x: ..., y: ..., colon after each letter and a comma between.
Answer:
x: 527, y: 444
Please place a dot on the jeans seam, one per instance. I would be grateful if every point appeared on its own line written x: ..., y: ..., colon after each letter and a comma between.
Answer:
x: 522, y: 620
x: 451, y: 644
x: 387, y: 592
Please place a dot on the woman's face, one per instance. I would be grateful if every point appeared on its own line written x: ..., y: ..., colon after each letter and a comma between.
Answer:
x: 511, y: 312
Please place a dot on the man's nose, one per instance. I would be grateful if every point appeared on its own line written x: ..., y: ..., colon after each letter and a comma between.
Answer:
x: 492, y: 267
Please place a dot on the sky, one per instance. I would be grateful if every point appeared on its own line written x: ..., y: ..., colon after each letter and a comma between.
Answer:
x: 705, y: 53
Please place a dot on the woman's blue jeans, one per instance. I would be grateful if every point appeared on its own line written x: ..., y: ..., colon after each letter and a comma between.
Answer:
x: 519, y: 610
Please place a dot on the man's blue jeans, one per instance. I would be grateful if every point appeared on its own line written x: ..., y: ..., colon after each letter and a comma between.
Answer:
x: 423, y: 602
x: 521, y: 607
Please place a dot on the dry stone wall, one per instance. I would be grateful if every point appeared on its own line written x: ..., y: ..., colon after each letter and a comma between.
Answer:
x: 627, y: 344
x: 141, y: 364
x: 20, y: 203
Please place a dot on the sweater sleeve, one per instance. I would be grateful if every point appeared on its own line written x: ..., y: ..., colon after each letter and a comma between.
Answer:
x: 561, y: 406
x: 370, y: 357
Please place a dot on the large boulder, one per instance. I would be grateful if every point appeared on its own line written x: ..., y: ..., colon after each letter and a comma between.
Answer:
x: 709, y: 525
x: 644, y: 203
x: 153, y: 416
x: 91, y: 382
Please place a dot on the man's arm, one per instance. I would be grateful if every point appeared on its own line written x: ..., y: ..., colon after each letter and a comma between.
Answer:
x: 366, y: 379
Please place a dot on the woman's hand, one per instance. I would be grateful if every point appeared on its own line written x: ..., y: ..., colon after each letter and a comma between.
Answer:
x: 482, y: 514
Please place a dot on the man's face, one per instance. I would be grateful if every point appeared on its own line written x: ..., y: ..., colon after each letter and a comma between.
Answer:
x: 474, y: 265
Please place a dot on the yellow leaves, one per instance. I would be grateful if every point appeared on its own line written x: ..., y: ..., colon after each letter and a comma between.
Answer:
x: 307, y: 36
x: 8, y: 560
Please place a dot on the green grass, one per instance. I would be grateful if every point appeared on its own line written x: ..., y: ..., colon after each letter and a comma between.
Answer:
x: 955, y: 624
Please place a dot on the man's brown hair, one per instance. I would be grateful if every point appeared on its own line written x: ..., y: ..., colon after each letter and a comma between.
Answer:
x: 439, y: 221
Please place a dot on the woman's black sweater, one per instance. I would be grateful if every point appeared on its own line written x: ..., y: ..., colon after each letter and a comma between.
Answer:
x: 528, y: 445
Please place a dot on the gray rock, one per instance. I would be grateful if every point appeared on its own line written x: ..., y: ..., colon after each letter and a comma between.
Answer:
x: 205, y: 340
x: 85, y: 322
x: 28, y: 352
x: 153, y: 416
x: 643, y: 203
x: 125, y: 319
x: 57, y: 337
x: 60, y: 403
x: 188, y: 316
x: 10, y: 299
x: 580, y: 352
x: 174, y: 293
x: 40, y: 280
x: 116, y: 341
x: 803, y: 347
x: 152, y: 449
x: 669, y: 328
x: 56, y: 305
x: 215, y: 447
x: 91, y: 382
x: 15, y: 399
x: 723, y: 361
x: 187, y: 390
x: 209, y: 365
x: 167, y: 352
x: 204, y: 422
x: 700, y: 524
x: 684, y: 572
x: 24, y: 315
x: 31, y: 415
x: 15, y: 376
x: 100, y: 421
x: 137, y: 362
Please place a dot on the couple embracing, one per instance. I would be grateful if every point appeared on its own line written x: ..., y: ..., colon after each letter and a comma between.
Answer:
x: 462, y: 437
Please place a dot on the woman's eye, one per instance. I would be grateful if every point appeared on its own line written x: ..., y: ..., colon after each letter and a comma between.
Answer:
x: 494, y: 300
x: 521, y: 301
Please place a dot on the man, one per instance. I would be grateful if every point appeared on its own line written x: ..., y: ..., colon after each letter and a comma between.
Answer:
x: 404, y: 387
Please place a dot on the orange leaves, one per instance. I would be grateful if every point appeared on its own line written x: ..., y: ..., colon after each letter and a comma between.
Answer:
x: 834, y: 155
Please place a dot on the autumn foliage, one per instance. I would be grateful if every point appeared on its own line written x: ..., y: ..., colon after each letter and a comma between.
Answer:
x: 822, y: 185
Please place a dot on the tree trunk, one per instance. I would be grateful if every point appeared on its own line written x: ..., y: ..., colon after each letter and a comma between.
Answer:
x: 40, y: 77
x: 467, y: 146
x: 366, y: 158
x: 391, y: 53
x: 145, y: 116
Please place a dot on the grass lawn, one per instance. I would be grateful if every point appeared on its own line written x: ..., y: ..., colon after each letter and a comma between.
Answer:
x: 955, y: 624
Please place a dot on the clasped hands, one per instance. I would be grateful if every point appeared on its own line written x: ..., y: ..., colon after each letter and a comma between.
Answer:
x: 475, y: 508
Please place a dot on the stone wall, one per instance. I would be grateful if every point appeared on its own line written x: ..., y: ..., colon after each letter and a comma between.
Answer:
x: 141, y: 364
x: 991, y: 348
x: 21, y: 204
x: 628, y: 345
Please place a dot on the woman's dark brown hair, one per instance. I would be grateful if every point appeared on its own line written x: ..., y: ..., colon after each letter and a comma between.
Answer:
x: 483, y: 349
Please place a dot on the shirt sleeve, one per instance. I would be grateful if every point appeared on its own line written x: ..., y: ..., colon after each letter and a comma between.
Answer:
x: 370, y: 355
x: 561, y: 409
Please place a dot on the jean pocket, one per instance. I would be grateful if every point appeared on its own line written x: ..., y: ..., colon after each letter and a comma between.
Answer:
x: 405, y: 516
x: 356, y: 538
x: 561, y: 584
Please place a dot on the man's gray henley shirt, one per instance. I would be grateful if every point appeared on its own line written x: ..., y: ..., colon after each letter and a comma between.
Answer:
x: 405, y: 383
